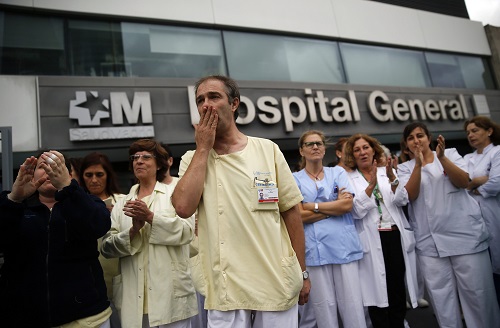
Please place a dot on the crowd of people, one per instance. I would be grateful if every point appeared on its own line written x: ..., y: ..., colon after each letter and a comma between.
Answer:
x: 238, y: 240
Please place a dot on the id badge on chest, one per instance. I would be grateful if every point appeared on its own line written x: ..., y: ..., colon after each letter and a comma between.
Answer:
x: 384, y: 225
x: 267, y: 190
x: 268, y: 195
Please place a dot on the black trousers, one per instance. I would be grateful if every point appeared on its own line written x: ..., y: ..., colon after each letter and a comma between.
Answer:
x: 394, y: 315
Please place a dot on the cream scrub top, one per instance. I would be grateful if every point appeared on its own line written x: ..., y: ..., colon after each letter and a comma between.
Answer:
x: 246, y: 260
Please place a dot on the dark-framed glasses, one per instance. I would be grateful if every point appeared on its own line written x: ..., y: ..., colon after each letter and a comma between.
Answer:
x: 145, y: 157
x: 311, y: 144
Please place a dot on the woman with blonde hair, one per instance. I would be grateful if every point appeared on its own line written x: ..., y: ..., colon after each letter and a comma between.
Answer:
x: 332, y: 243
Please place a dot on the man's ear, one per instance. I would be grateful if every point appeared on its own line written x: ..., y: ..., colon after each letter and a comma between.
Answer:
x: 235, y: 104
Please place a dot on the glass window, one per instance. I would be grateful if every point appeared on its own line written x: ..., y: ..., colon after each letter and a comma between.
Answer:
x: 31, y: 45
x: 166, y: 51
x: 95, y: 49
x: 278, y: 58
x: 384, y: 66
x: 454, y: 71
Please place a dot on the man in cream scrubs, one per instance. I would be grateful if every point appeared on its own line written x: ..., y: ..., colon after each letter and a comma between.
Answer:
x: 251, y: 248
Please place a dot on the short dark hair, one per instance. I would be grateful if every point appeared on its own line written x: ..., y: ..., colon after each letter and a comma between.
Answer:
x: 75, y: 163
x: 232, y: 88
x: 167, y: 149
x: 154, y: 147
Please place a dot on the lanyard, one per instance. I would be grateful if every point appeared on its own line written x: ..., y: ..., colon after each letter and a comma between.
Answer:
x: 378, y: 198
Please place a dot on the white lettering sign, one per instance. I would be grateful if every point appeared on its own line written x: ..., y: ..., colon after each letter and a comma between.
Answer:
x: 140, y: 105
x: 127, y: 132
x: 293, y: 109
x: 403, y: 110
x: 317, y: 107
x: 120, y: 105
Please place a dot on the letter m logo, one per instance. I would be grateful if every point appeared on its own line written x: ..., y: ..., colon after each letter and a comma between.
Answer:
x: 141, y: 105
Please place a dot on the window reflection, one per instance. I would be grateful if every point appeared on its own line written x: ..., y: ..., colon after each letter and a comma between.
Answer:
x: 277, y: 58
x: 384, y: 66
x: 165, y: 51
x: 50, y: 45
x: 96, y: 49
x: 455, y: 71
x: 31, y: 45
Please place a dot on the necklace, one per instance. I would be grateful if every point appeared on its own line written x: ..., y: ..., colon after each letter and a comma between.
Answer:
x: 316, y: 177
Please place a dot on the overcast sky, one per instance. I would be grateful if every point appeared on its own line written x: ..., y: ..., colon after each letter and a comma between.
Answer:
x: 485, y: 11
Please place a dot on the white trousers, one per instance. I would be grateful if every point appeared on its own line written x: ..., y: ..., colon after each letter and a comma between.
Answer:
x: 186, y: 323
x: 334, y: 286
x: 465, y: 277
x: 243, y: 318
x: 420, y: 280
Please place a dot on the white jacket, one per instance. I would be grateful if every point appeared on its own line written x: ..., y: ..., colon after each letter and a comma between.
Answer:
x: 371, y: 266
x: 170, y: 293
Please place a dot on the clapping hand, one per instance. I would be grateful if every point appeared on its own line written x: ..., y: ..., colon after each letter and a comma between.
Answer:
x: 140, y: 214
x: 373, y: 174
x: 440, y: 147
x: 389, y: 169
x: 139, y: 211
x: 419, y: 157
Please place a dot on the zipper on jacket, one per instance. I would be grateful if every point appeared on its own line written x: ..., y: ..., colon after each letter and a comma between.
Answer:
x: 47, y: 267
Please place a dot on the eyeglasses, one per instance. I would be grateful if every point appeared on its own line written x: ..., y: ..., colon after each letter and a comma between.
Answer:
x: 313, y: 143
x: 145, y: 157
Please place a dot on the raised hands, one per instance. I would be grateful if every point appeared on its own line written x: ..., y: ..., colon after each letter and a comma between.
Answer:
x: 440, y: 147
x: 389, y: 169
x: 54, y: 165
x: 417, y: 153
x: 140, y: 214
x: 373, y: 174
x: 138, y: 211
x: 25, y: 184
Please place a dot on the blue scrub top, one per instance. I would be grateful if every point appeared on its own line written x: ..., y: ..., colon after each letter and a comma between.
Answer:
x: 333, y: 240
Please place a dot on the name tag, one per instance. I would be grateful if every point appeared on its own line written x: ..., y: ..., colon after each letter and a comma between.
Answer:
x: 267, y: 195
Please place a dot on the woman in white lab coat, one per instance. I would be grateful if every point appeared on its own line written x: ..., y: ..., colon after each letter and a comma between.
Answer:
x: 451, y: 237
x: 484, y: 171
x: 388, y: 243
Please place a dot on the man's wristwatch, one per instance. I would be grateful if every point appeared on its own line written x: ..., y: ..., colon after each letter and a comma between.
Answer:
x: 395, y: 182
x: 305, y: 275
x: 316, y: 210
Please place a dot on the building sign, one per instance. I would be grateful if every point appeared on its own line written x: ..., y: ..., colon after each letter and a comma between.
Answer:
x: 314, y: 106
x: 110, y: 112
x: 114, y: 109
